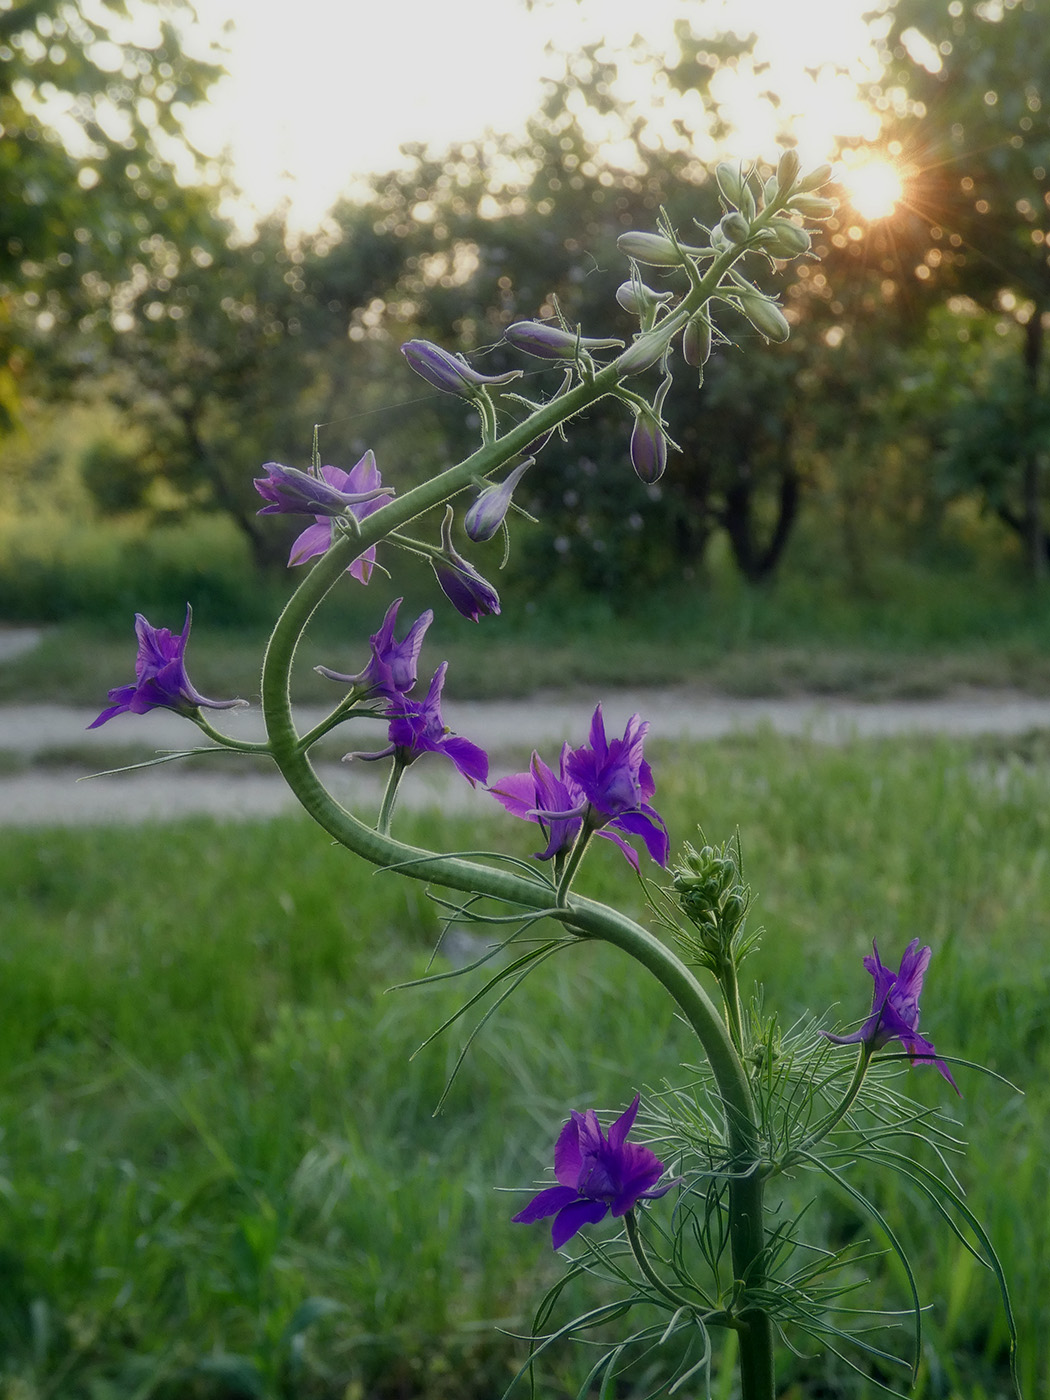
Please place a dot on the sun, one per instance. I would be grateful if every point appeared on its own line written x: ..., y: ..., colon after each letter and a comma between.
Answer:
x: 875, y: 188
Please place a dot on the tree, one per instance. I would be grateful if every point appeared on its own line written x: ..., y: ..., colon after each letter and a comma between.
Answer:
x: 90, y: 104
x: 450, y: 251
x: 966, y: 98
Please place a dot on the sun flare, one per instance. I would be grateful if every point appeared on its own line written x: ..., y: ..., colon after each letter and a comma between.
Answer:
x: 875, y: 188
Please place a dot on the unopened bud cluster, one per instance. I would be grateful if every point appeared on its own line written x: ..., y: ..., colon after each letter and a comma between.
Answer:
x: 710, y: 893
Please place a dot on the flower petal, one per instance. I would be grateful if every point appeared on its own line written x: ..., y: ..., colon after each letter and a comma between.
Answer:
x: 568, y: 1221
x: 548, y: 1202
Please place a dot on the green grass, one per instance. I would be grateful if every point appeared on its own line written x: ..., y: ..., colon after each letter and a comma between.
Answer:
x: 923, y: 633
x: 219, y: 1170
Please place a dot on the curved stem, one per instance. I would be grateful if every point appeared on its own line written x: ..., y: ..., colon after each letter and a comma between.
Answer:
x: 239, y: 745
x: 343, y: 711
x: 634, y: 1239
x: 836, y: 1115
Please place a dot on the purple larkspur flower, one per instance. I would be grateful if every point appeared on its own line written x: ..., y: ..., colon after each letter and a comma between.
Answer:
x: 391, y: 669
x: 416, y: 727
x: 460, y: 582
x: 895, y: 1008
x: 361, y: 481
x: 488, y: 512
x: 597, y: 1175
x: 605, y: 785
x: 161, y: 682
x: 288, y: 491
x: 450, y: 373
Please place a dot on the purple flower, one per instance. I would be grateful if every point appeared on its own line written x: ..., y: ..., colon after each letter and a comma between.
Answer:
x: 550, y: 342
x: 461, y: 583
x: 617, y: 783
x: 450, y: 373
x: 292, y: 492
x: 361, y: 482
x: 391, y: 670
x: 895, y: 1008
x: 607, y: 785
x: 598, y: 1174
x: 161, y: 682
x: 416, y: 727
x: 487, y: 513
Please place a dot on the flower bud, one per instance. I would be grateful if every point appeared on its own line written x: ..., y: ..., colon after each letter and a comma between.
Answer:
x: 639, y: 299
x: 648, y: 447
x: 487, y: 513
x: 813, y: 206
x: 549, y: 342
x: 813, y: 181
x: 461, y: 583
x: 643, y: 351
x: 765, y: 315
x: 653, y: 249
x: 288, y: 491
x: 449, y: 373
x: 730, y: 177
x: 735, y: 227
x: 734, y: 907
x: 787, y: 170
x: 696, y: 341
x: 790, y: 240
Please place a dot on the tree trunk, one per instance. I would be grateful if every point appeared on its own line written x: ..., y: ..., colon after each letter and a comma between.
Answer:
x: 758, y: 563
x: 266, y: 546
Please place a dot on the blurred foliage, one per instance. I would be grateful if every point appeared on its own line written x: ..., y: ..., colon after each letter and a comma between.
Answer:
x: 894, y: 397
x: 91, y: 102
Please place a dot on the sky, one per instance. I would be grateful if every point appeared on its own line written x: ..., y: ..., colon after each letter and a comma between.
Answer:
x: 322, y: 92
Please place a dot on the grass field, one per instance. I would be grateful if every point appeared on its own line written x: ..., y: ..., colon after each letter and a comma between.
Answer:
x: 220, y: 1175
x: 924, y: 634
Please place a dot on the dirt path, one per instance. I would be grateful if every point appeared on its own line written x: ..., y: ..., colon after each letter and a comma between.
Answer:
x: 508, y: 730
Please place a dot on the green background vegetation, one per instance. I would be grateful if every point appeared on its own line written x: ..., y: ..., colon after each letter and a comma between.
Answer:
x: 211, y: 1116
x: 219, y: 1172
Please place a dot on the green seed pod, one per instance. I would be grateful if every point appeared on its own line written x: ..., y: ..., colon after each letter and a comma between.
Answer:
x: 735, y: 227
x: 787, y: 170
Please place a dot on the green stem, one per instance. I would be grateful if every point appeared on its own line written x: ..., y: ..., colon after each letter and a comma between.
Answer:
x: 730, y: 984
x: 573, y: 861
x: 634, y: 1239
x: 344, y: 710
x: 836, y: 1115
x: 240, y: 745
x: 393, y: 782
